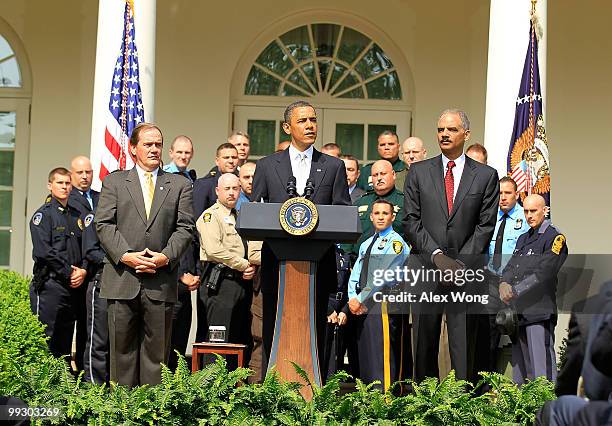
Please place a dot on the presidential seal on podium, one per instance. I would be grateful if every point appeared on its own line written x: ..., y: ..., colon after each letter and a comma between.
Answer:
x: 298, y: 216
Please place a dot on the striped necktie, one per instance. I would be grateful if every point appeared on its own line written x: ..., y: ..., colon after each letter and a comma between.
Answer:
x: 149, y: 191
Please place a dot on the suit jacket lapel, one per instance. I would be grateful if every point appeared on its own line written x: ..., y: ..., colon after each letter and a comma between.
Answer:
x: 132, y: 183
x: 437, y: 177
x: 162, y: 187
x: 467, y: 177
x: 283, y: 169
x: 317, y: 170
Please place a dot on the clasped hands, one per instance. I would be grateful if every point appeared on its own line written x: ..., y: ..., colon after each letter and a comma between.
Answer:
x: 445, y: 263
x: 77, y: 276
x: 146, y: 261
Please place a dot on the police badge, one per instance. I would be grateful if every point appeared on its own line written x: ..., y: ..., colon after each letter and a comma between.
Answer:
x: 298, y: 216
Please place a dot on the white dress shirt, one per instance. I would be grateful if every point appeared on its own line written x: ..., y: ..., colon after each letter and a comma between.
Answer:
x: 143, y: 179
x: 457, y: 171
x: 300, y: 170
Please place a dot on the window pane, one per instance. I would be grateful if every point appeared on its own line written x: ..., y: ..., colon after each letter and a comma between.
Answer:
x: 349, y: 80
x: 374, y: 62
x: 325, y: 38
x: 5, y: 247
x: 7, y: 159
x: 296, y: 78
x: 289, y: 90
x: 309, y: 70
x: 323, y: 70
x: 356, y: 93
x: 274, y: 59
x: 261, y: 83
x: 298, y: 43
x: 262, y: 136
x: 336, y: 74
x: 352, y: 44
x: 5, y: 48
x: 385, y: 87
x: 350, y: 139
x: 6, y: 207
x: 374, y: 130
x: 9, y: 74
x: 7, y: 129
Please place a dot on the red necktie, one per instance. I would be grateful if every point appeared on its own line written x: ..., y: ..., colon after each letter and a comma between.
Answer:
x: 449, y: 184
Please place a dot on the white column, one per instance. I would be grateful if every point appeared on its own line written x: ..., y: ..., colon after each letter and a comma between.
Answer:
x: 110, y: 33
x: 508, y: 42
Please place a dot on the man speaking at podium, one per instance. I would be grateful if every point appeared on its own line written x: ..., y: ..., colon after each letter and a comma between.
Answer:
x: 328, y: 176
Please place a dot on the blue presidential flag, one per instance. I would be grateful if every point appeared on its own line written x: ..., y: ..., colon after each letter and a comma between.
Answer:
x: 528, y: 161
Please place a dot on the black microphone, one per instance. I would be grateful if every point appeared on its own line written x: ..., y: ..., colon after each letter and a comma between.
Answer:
x: 308, y: 189
x: 291, y: 187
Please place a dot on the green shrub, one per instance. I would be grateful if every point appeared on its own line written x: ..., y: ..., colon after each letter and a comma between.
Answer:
x: 215, y: 396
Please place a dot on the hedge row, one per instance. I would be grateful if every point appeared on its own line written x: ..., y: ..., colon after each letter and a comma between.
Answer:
x: 210, y: 396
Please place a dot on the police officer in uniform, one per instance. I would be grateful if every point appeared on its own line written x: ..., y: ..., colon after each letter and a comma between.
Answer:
x: 56, y: 292
x: 227, y: 300
x: 383, y: 178
x: 388, y: 149
x: 378, y: 332
x: 529, y: 283
x: 95, y: 359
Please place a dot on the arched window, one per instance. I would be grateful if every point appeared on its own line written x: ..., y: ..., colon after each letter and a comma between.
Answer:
x: 15, y: 86
x: 324, y: 58
x: 10, y: 76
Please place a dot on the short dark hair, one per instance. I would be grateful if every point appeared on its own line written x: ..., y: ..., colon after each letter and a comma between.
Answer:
x: 388, y: 133
x: 62, y: 171
x: 294, y: 105
x: 141, y: 128
x: 510, y: 180
x: 383, y: 201
x: 225, y: 145
x: 351, y: 158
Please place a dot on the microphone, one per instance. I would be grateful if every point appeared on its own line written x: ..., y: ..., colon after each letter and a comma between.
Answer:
x: 308, y: 189
x: 291, y: 187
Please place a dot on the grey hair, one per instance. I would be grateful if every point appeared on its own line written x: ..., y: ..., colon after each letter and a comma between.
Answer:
x: 239, y: 133
x: 465, y: 121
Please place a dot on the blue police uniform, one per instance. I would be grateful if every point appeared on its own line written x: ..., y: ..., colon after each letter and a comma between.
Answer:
x: 56, y: 247
x: 172, y: 168
x: 95, y: 359
x: 532, y: 273
x: 378, y: 329
x: 243, y: 198
x: 516, y: 225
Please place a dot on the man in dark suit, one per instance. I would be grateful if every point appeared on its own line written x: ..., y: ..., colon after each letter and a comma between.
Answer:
x: 328, y: 176
x: 145, y: 222
x: 450, y: 208
x: 82, y: 197
x: 351, y: 164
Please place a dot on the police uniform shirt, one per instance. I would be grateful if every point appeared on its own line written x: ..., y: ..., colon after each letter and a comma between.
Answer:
x: 219, y: 240
x: 365, y: 175
x: 364, y: 208
x: 93, y: 255
x: 172, y: 168
x: 56, y: 237
x: 516, y: 225
x: 389, y: 250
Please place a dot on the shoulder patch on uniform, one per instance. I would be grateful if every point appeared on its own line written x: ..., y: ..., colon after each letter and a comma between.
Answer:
x: 88, y: 219
x: 80, y: 224
x: 558, y: 244
x: 398, y: 247
x: 206, y: 217
x: 37, y: 218
x: 396, y: 209
x: 48, y: 199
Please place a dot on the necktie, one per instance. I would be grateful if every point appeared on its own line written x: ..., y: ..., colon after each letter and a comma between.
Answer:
x: 499, y: 242
x: 449, y: 184
x: 302, y: 175
x: 87, y: 196
x: 149, y: 191
x: 363, y: 277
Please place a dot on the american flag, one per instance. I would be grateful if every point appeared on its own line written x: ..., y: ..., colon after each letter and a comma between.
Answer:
x: 528, y: 160
x: 125, y: 108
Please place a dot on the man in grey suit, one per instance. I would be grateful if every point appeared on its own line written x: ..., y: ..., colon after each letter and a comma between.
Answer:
x: 144, y: 222
x: 450, y: 204
x: 351, y: 164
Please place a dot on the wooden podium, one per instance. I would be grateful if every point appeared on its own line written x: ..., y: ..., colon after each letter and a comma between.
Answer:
x: 295, y: 336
